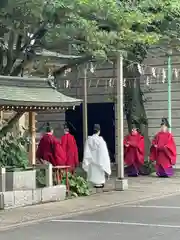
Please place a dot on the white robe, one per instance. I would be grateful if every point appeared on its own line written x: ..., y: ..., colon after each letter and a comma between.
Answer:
x: 96, y: 159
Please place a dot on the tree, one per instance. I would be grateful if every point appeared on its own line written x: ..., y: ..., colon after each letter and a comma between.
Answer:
x: 95, y: 29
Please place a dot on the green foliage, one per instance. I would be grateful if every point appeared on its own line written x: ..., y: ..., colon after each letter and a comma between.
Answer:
x: 97, y: 28
x: 40, y: 178
x: 78, y: 185
x: 148, y: 165
x: 13, y: 151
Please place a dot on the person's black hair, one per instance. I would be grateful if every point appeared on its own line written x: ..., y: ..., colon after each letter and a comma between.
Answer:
x: 48, y: 127
x: 134, y: 126
x: 96, y: 128
x: 165, y: 122
x: 66, y: 126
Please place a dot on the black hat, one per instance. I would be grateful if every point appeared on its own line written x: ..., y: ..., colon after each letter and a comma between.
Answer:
x: 48, y: 127
x: 165, y: 122
x: 66, y: 126
x: 133, y: 125
x: 97, y: 127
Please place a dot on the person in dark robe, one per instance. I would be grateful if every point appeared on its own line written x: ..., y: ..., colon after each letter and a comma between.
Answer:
x: 50, y: 150
x: 163, y: 151
x: 69, y: 145
x: 134, y: 152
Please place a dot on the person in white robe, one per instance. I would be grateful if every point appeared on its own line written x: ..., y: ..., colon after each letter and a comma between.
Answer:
x: 96, y: 160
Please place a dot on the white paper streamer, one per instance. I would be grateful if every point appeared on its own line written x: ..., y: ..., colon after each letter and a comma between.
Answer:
x: 153, y: 72
x: 67, y: 71
x: 163, y: 75
x: 147, y: 81
x: 91, y: 68
x: 67, y: 84
x: 89, y: 84
x: 176, y: 73
x: 124, y: 82
x: 97, y: 83
x: 139, y: 68
x: 110, y: 82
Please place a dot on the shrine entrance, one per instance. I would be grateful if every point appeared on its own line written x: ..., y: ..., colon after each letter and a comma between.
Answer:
x: 101, y: 113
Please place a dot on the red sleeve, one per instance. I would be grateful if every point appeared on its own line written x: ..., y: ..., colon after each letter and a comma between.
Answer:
x: 64, y: 141
x: 125, y: 147
x: 171, y: 149
x: 60, y: 155
x: 153, y: 150
x: 126, y: 139
x: 39, y: 154
x: 69, y: 145
x: 140, y: 148
x: 140, y: 145
x: 75, y: 152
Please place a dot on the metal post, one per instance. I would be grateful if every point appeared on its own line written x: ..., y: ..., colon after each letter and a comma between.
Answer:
x: 169, y: 91
x: 119, y: 119
x: 85, y: 120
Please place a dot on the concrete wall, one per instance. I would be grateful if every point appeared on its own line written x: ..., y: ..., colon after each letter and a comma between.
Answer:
x: 14, y: 199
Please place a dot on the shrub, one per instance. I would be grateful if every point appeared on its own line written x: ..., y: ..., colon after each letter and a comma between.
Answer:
x: 78, y: 185
x: 148, y: 167
x: 13, y: 151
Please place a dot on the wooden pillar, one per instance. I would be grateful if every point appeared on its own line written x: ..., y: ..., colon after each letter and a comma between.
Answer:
x: 32, y: 131
x: 1, y: 115
x: 120, y: 119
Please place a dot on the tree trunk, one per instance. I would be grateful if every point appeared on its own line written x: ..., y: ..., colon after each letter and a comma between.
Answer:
x: 134, y: 108
x: 10, y: 124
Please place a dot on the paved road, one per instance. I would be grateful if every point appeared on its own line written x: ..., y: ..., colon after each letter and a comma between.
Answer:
x: 150, y: 220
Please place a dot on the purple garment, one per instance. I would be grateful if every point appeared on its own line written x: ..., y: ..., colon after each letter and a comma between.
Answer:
x: 161, y: 172
x: 132, y: 171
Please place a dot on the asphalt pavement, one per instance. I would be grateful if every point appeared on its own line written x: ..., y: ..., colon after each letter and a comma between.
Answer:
x: 149, y: 220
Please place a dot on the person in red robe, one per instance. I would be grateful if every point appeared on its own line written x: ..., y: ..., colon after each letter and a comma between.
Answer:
x: 69, y: 145
x: 49, y: 149
x: 163, y: 151
x: 134, y: 152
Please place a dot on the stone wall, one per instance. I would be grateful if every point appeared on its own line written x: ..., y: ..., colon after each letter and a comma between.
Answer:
x: 14, y: 199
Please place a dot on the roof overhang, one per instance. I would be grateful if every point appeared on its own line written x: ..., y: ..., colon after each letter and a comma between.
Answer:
x: 32, y: 94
